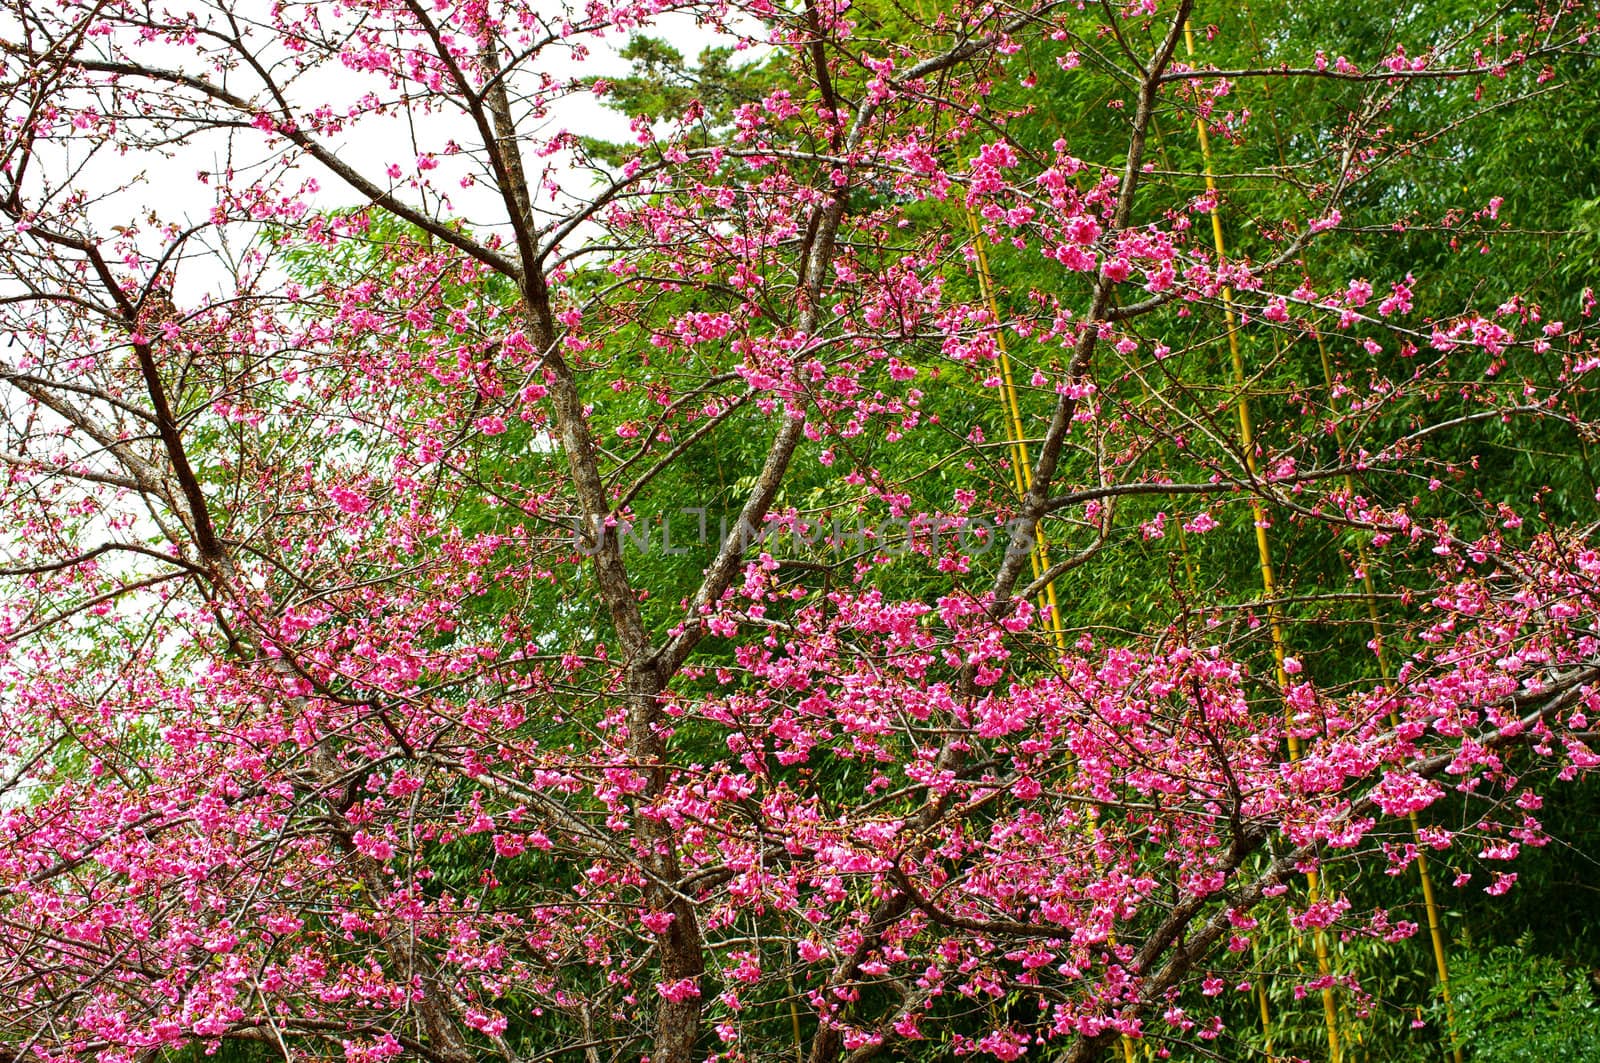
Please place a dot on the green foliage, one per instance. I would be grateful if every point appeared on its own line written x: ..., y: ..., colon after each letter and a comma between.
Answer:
x: 1513, y: 1005
x: 664, y: 85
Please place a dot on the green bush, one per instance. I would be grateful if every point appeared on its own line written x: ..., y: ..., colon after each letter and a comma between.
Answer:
x: 1513, y: 1005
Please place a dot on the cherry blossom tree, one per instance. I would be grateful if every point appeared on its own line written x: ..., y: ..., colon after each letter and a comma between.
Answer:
x: 468, y: 591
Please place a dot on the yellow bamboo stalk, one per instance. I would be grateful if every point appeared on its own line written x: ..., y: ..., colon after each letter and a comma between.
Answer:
x: 1269, y: 584
x: 1430, y: 903
x: 1188, y: 570
x: 1255, y: 948
x: 1021, y: 466
x: 1370, y: 591
x: 1022, y: 470
x: 1261, y: 999
x: 1016, y: 439
x: 1021, y: 463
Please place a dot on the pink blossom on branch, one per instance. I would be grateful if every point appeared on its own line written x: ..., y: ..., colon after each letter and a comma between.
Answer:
x: 378, y: 684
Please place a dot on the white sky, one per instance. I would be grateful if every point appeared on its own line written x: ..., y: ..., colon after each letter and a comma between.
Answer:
x: 166, y: 183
